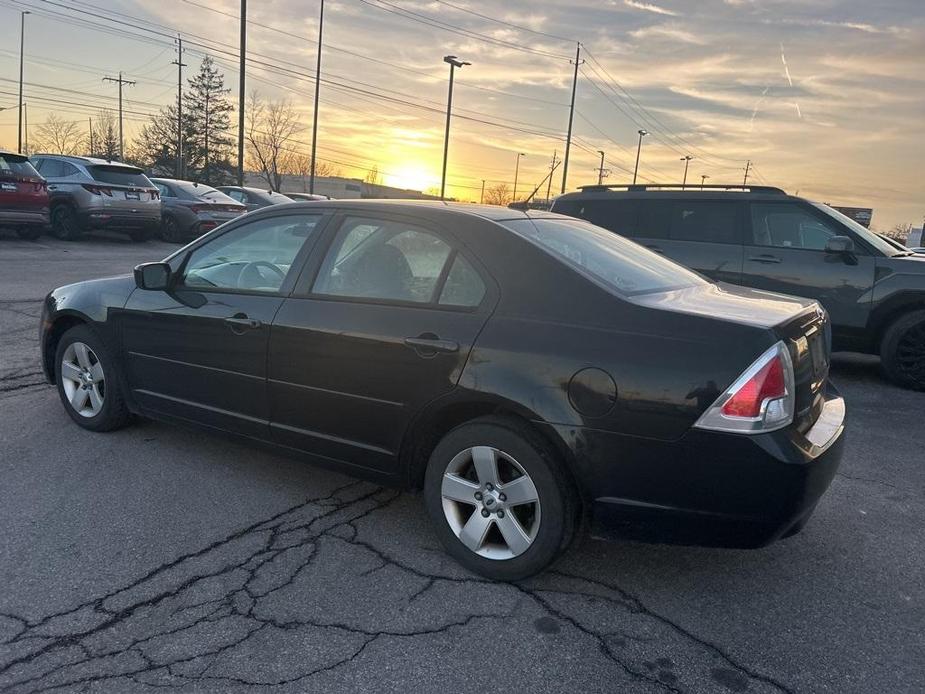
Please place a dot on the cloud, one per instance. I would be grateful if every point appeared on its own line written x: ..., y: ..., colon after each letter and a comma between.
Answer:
x: 649, y: 7
x: 667, y: 31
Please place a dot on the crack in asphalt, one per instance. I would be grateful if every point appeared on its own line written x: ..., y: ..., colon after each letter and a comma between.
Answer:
x: 191, y: 619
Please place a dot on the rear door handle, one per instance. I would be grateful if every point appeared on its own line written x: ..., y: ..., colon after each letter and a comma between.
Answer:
x: 431, y: 345
x: 239, y: 323
x: 764, y: 259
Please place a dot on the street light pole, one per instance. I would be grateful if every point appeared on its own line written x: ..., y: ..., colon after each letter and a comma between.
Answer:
x: 22, y: 36
x: 454, y: 63
x: 516, y: 172
x: 703, y: 178
x: 642, y: 134
x: 687, y: 160
x: 311, y: 178
x: 241, y: 95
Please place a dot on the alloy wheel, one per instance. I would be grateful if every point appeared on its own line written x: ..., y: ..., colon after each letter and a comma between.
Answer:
x: 490, y: 503
x: 83, y: 379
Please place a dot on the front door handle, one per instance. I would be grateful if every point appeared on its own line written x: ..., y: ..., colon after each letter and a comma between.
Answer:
x: 240, y: 322
x: 429, y: 346
x: 764, y: 259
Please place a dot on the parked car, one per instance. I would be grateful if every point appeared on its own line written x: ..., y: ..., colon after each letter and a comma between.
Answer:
x: 307, y: 197
x: 917, y: 250
x: 522, y: 368
x: 23, y: 196
x: 254, y: 198
x: 761, y: 237
x: 89, y: 193
x: 191, y: 209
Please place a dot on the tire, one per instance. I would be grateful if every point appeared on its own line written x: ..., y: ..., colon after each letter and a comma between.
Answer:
x: 29, y: 233
x: 102, y: 408
x: 548, y: 524
x: 140, y: 235
x: 902, y: 351
x: 170, y: 230
x: 64, y: 223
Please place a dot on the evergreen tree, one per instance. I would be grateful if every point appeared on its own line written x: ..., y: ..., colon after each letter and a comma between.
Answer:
x: 104, y: 138
x: 210, y: 115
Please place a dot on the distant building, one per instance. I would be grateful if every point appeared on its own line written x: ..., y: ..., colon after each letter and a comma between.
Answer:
x: 861, y: 215
x: 339, y: 187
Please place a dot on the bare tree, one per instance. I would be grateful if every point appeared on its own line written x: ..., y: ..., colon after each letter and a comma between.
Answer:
x: 301, y: 166
x: 269, y: 132
x: 373, y: 177
x: 900, y: 232
x: 57, y: 136
x: 498, y: 195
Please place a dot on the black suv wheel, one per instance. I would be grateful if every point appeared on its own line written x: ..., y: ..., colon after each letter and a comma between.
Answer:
x: 64, y: 223
x: 902, y: 351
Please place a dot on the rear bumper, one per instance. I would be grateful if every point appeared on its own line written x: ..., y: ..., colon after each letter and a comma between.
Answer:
x: 119, y: 219
x: 709, y: 488
x: 36, y: 217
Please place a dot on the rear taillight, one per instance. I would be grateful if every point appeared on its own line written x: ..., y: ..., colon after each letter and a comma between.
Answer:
x: 762, y: 399
x: 98, y: 190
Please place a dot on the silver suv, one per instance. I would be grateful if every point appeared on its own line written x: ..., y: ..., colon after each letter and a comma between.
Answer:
x: 87, y: 193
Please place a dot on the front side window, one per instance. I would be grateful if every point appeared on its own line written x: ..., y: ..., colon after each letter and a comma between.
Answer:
x: 382, y: 259
x: 619, y: 264
x: 785, y: 225
x: 255, y: 257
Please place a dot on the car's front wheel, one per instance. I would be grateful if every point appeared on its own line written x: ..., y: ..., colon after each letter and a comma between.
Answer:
x: 499, y: 499
x: 88, y: 381
x: 902, y: 351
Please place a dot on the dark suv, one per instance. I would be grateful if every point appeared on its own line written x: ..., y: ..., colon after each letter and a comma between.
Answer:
x: 761, y: 237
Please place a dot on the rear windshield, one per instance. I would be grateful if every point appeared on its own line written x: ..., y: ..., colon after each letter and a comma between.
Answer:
x: 620, y: 265
x: 120, y: 175
x: 198, y: 191
x: 13, y: 164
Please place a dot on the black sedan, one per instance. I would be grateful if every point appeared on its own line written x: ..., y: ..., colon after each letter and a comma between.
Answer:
x: 527, y: 370
x: 190, y: 209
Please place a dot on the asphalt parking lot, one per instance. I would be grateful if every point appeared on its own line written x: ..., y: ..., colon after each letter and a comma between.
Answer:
x: 158, y: 557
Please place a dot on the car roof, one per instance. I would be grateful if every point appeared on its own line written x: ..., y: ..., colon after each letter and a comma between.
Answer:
x: 692, y: 191
x: 433, y: 208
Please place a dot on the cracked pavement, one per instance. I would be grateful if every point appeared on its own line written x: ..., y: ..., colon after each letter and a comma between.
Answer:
x: 161, y: 558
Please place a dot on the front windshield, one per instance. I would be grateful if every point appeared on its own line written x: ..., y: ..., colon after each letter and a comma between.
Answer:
x: 870, y: 237
x: 612, y: 260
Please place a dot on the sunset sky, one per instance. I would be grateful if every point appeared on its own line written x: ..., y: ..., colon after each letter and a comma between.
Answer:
x: 825, y: 97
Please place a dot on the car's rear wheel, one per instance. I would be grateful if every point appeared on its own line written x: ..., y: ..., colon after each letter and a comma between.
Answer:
x: 170, y: 230
x: 88, y: 381
x: 499, y: 499
x: 30, y: 233
x: 902, y: 351
x: 64, y: 223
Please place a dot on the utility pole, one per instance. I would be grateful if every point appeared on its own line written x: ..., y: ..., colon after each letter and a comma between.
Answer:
x: 180, y: 65
x: 516, y: 172
x: 25, y: 115
x: 642, y: 134
x: 552, y: 168
x: 703, y: 179
x: 454, y: 63
x: 571, y: 116
x: 22, y: 37
x: 687, y: 160
x: 482, y: 195
x: 91, y: 136
x: 748, y: 165
x: 601, y: 169
x: 120, y: 82
x: 311, y: 179
x: 241, y: 75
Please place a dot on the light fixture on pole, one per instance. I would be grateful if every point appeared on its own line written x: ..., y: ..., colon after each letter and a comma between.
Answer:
x: 687, y: 160
x: 516, y: 172
x: 22, y: 37
x: 703, y: 179
x: 454, y: 63
x: 642, y: 134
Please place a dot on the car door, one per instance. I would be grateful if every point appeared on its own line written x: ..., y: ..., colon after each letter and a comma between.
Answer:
x: 381, y: 324
x: 787, y: 254
x: 704, y: 235
x: 198, y: 351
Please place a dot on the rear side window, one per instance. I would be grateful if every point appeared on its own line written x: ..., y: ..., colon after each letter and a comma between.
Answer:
x: 13, y: 165
x: 617, y: 215
x: 52, y: 168
x: 708, y: 222
x: 120, y: 175
x: 654, y: 219
x: 618, y: 264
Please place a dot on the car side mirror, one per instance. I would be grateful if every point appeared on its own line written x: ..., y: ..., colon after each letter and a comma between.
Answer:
x: 154, y: 276
x: 839, y: 244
